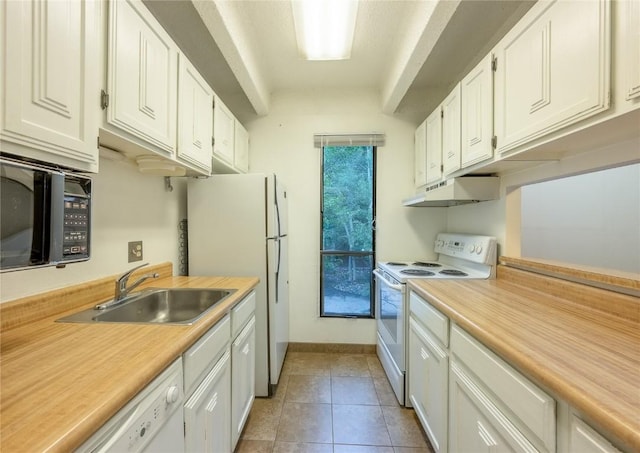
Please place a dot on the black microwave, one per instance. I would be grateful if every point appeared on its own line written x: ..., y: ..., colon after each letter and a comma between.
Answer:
x: 45, y: 216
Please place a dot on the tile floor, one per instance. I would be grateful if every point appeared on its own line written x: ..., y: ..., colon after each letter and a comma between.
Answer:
x: 333, y: 403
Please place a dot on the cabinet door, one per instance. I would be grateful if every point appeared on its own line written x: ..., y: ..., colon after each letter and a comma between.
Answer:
x: 475, y: 423
x: 195, y: 117
x: 243, y: 361
x: 420, y: 155
x: 428, y: 384
x: 583, y: 439
x: 434, y: 146
x: 51, y: 81
x: 553, y: 70
x: 451, y: 131
x: 477, y: 114
x: 207, y: 414
x: 223, y: 132
x: 632, y: 50
x: 142, y: 75
x: 241, y: 153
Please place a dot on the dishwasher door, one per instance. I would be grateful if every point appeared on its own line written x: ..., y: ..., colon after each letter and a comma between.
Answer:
x: 152, y: 422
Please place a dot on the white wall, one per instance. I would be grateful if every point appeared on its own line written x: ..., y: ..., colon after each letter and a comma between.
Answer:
x: 127, y: 206
x: 282, y: 142
x: 591, y: 219
x: 490, y: 217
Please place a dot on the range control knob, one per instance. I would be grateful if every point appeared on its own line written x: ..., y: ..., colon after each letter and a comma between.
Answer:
x: 472, y: 248
x: 478, y: 249
x: 172, y: 394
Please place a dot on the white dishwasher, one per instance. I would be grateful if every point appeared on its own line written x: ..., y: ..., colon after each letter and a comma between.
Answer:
x: 153, y: 421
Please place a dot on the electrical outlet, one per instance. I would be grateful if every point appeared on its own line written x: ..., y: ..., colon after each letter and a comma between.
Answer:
x: 135, y: 251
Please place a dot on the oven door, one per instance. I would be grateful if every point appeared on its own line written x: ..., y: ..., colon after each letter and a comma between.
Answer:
x: 390, y: 318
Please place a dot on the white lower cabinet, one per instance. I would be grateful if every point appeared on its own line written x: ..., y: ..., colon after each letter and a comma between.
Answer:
x: 468, y: 399
x: 207, y: 414
x: 243, y: 360
x: 476, y: 424
x: 428, y: 384
x: 207, y: 384
x: 501, y: 392
x: 584, y: 439
x: 219, y: 381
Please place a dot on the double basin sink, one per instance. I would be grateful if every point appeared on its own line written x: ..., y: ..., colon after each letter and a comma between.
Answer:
x: 156, y: 306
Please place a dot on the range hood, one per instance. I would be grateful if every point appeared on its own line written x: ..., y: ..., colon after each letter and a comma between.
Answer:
x: 457, y: 191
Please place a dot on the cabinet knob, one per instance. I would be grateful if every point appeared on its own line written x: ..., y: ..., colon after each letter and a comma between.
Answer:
x: 173, y: 394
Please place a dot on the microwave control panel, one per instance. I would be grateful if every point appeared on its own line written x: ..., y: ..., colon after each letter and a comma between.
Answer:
x: 75, y: 243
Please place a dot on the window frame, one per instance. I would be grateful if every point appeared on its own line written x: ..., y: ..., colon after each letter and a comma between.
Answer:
x: 372, y: 253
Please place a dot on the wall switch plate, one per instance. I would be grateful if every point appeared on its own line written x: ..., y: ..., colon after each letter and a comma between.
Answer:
x: 135, y: 251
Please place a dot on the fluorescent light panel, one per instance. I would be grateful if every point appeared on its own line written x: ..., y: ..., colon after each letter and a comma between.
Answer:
x: 324, y: 28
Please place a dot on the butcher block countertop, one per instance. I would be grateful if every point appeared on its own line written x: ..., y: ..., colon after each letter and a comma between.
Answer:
x: 581, y: 344
x: 62, y: 381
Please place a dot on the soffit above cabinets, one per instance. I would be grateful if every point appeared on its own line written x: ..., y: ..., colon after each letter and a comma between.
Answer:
x: 409, y: 52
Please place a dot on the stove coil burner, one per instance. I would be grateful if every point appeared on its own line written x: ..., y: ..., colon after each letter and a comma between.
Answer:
x: 422, y: 264
x: 454, y: 272
x: 394, y: 263
x: 417, y: 272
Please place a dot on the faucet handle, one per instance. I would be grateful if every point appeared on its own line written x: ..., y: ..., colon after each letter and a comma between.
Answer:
x: 131, y: 271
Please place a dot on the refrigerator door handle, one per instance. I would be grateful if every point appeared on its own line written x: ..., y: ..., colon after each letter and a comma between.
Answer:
x: 278, y: 272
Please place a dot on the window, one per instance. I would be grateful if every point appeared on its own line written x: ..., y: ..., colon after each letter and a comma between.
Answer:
x: 347, y: 231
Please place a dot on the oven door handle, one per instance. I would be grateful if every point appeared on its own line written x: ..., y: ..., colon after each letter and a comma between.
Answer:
x: 380, y: 276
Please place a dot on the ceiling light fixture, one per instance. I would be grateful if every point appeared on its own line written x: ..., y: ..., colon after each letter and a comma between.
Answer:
x: 324, y: 28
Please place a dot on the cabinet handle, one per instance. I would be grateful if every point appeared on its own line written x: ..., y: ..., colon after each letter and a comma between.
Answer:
x: 424, y: 353
x: 245, y: 350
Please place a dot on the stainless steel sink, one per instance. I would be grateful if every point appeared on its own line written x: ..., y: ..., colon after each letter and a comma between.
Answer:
x: 157, y: 306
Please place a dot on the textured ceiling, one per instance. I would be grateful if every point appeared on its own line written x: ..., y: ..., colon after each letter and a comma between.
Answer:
x: 408, y: 51
x: 269, y: 26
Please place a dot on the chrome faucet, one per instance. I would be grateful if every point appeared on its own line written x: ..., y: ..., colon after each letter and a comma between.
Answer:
x: 121, y: 287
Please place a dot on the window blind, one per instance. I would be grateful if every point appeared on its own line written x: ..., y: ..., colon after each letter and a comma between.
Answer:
x: 372, y: 139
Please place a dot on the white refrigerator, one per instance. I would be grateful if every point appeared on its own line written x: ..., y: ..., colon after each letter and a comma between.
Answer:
x: 237, y: 226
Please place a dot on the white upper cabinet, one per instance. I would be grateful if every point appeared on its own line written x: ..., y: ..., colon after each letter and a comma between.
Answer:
x: 434, y: 146
x: 553, y: 69
x: 420, y: 155
x: 50, y: 56
x: 195, y: 117
x: 477, y: 114
x: 223, y: 132
x: 241, y: 153
x: 632, y: 47
x: 451, y: 131
x: 142, y: 76
x: 230, y: 141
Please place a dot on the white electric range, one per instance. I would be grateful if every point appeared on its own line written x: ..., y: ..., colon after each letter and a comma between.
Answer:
x: 460, y: 256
